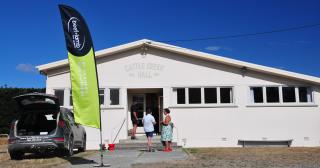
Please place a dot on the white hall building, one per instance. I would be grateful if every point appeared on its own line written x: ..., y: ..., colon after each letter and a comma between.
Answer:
x: 214, y: 101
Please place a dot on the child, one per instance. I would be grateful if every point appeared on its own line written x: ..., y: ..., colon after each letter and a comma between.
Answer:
x: 148, y: 122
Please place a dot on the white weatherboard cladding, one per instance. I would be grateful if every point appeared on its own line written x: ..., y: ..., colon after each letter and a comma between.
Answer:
x: 211, y: 126
x: 159, y: 68
x: 199, y: 126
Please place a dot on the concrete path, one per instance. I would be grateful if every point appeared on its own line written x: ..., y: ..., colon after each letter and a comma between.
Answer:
x: 125, y: 158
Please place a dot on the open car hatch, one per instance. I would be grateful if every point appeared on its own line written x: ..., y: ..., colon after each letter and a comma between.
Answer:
x: 37, y: 101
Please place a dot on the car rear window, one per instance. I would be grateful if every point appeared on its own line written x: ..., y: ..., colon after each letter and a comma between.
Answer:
x: 31, y: 100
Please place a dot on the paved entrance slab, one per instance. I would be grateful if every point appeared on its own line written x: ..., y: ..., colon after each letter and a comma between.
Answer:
x: 126, y: 158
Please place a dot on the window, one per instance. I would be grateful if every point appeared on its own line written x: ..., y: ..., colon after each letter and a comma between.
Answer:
x: 272, y: 94
x: 204, y: 95
x: 288, y: 94
x: 181, y: 96
x: 114, y: 97
x: 60, y: 94
x: 226, y: 95
x: 194, y: 95
x: 71, y: 101
x: 256, y: 94
x: 101, y: 96
x: 210, y: 95
x: 305, y: 94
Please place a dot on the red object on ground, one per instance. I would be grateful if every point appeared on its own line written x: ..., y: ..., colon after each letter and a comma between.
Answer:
x: 111, y: 147
x: 167, y: 150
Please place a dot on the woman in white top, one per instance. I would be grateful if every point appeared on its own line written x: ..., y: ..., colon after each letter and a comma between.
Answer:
x: 148, y: 122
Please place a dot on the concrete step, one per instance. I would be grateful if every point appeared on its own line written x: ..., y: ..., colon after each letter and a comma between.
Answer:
x: 140, y: 139
x: 158, y: 147
x: 141, y: 143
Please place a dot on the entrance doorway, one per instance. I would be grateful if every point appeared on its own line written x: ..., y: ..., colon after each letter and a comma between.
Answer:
x: 146, y: 99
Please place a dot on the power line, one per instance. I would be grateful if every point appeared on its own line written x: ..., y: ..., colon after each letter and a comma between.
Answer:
x: 245, y: 34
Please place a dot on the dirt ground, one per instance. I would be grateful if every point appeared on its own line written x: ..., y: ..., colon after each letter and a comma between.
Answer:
x: 34, y: 161
x: 48, y: 161
x: 3, y: 141
x: 198, y: 158
x: 246, y: 157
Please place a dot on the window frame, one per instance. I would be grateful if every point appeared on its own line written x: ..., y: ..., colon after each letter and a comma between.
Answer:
x: 279, y: 94
x: 281, y: 102
x: 309, y: 90
x: 174, y: 92
x: 189, y: 88
x: 107, y: 98
x: 295, y: 94
x: 69, y: 95
x: 251, y: 99
x: 104, y: 96
x: 231, y: 96
x: 60, y: 89
x: 204, y: 94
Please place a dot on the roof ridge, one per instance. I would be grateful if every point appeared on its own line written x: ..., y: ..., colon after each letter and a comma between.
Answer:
x: 192, y: 53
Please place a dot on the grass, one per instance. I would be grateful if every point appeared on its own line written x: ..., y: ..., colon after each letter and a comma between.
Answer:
x: 199, y: 158
x: 3, y: 141
x: 245, y: 157
x: 36, y: 161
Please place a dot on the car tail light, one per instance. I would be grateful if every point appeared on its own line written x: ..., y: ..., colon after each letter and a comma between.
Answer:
x: 61, y: 123
x: 58, y: 139
x: 11, y: 141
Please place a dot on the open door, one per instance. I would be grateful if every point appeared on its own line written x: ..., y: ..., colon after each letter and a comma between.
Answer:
x: 146, y: 99
x: 160, y: 113
x: 141, y: 110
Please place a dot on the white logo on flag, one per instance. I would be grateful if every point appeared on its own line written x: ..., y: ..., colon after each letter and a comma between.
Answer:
x: 73, y: 28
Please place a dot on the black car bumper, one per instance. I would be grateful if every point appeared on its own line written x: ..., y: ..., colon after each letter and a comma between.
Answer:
x: 36, y: 147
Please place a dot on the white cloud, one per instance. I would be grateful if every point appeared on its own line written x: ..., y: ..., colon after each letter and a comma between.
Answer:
x: 216, y: 48
x: 28, y: 68
x: 213, y: 48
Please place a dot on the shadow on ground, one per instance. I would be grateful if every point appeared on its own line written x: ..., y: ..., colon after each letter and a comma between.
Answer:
x: 75, y: 160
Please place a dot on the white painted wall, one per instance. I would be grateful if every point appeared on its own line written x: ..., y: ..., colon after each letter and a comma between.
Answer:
x: 199, y: 126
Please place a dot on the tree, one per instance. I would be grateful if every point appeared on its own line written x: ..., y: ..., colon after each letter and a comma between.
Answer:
x: 8, y: 105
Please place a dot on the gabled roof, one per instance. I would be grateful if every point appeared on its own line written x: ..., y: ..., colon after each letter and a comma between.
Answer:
x: 190, y: 53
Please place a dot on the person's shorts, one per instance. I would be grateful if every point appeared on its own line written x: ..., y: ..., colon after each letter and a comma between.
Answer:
x: 149, y: 134
x: 135, y: 122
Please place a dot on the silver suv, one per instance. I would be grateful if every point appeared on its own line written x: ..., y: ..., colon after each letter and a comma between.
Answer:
x: 43, y: 126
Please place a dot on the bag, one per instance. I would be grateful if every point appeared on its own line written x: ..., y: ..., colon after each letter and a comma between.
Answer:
x: 171, y: 124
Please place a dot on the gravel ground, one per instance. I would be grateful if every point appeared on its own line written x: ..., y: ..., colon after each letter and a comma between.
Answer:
x: 3, y: 141
x: 198, y: 158
x: 245, y: 157
x: 43, y: 161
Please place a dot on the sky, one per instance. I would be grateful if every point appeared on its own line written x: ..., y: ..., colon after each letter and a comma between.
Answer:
x: 31, y: 31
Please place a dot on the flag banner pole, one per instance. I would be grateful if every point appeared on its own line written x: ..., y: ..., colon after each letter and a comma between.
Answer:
x: 83, y: 71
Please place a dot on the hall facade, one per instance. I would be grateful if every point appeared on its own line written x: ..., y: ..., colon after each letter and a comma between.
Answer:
x: 214, y: 101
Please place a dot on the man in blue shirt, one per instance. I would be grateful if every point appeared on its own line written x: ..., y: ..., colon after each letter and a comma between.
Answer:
x: 134, y: 119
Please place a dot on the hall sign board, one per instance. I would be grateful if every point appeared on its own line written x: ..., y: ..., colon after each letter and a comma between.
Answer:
x: 143, y: 70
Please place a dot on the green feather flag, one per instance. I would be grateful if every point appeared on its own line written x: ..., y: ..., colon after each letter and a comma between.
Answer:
x: 83, y: 71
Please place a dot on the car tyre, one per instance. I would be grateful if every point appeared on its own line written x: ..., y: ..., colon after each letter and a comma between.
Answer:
x: 84, y: 144
x: 69, y: 151
x: 16, y: 155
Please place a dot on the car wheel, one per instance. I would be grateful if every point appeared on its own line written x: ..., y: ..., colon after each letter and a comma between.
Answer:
x: 69, y: 151
x: 16, y: 155
x: 84, y: 144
